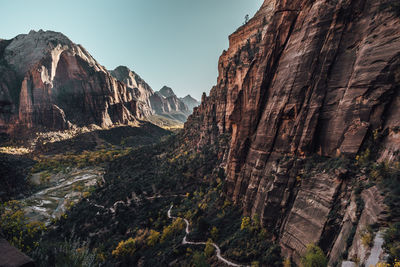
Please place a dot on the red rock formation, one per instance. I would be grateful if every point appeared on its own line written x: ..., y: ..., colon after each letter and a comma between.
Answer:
x: 163, y: 102
x: 302, y: 77
x: 49, y: 83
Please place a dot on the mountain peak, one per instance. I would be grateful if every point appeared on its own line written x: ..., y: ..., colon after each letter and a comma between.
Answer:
x: 167, y: 91
x: 26, y: 50
x: 189, y: 97
x: 190, y: 102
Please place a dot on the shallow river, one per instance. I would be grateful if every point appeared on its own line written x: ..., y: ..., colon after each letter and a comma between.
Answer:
x: 62, y: 190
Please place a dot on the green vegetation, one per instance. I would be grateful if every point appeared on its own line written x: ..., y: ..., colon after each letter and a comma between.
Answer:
x: 16, y: 228
x: 60, y: 162
x: 209, y: 249
x: 314, y: 257
x: 139, y: 230
x: 392, y: 242
x: 367, y: 237
x: 199, y: 260
x: 70, y: 252
x: 386, y: 175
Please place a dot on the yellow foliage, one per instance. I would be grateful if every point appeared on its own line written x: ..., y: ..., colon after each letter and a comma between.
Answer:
x: 209, y: 249
x: 384, y: 264
x: 177, y: 226
x: 16, y: 228
x: 153, y: 238
x: 367, y: 237
x: 214, y: 233
x: 125, y: 248
x: 245, y: 223
x: 287, y: 263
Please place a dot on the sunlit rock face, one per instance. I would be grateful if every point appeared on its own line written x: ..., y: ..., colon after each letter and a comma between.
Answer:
x: 303, y: 78
x: 139, y: 87
x: 163, y: 102
x: 49, y: 83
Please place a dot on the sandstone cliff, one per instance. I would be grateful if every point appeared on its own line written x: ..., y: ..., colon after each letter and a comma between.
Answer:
x: 163, y: 102
x: 304, y: 78
x: 49, y: 83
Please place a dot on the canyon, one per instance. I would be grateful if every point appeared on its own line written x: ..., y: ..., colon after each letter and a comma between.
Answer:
x: 295, y: 147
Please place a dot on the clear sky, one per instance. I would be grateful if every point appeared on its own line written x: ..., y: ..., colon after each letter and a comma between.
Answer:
x: 167, y: 42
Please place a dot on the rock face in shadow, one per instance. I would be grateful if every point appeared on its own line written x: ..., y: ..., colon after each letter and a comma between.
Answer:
x: 302, y: 78
x: 12, y: 257
x: 163, y: 102
x: 137, y: 85
x: 49, y: 83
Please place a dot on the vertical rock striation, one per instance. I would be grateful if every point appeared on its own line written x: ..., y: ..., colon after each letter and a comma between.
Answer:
x: 303, y: 78
x: 163, y: 102
x: 49, y: 83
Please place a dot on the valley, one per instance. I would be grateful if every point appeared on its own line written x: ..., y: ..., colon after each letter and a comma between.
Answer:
x: 291, y: 159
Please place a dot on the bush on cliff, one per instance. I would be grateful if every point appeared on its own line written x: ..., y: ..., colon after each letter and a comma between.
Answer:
x: 314, y: 257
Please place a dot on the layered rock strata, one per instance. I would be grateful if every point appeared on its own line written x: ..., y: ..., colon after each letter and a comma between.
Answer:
x: 303, y: 78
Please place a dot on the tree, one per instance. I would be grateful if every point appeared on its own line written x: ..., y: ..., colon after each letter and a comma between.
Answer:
x: 125, y: 248
x: 314, y: 257
x: 214, y: 233
x: 209, y: 249
x: 199, y: 260
x: 246, y: 222
x: 153, y: 238
x: 17, y: 229
x: 246, y: 18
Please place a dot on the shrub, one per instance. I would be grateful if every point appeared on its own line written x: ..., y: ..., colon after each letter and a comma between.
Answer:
x: 367, y: 237
x: 287, y: 263
x: 17, y: 229
x: 125, y: 248
x: 245, y: 223
x: 72, y: 252
x: 392, y: 242
x: 314, y: 257
x: 153, y: 238
x: 199, y: 260
x: 176, y: 227
x: 209, y: 249
x: 214, y: 233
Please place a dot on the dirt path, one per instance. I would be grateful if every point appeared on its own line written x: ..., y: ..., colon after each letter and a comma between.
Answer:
x: 185, y: 241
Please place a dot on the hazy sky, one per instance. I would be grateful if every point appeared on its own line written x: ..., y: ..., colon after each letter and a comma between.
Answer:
x: 167, y: 42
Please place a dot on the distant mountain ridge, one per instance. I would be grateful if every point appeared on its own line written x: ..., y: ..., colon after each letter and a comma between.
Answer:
x: 163, y: 102
x: 190, y: 102
x: 47, y: 83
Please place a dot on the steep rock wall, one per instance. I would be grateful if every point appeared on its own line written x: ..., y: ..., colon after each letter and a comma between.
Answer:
x: 303, y: 78
x: 49, y: 83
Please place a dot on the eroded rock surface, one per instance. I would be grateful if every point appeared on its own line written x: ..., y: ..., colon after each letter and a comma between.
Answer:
x: 163, y: 102
x: 49, y: 83
x: 303, y: 78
